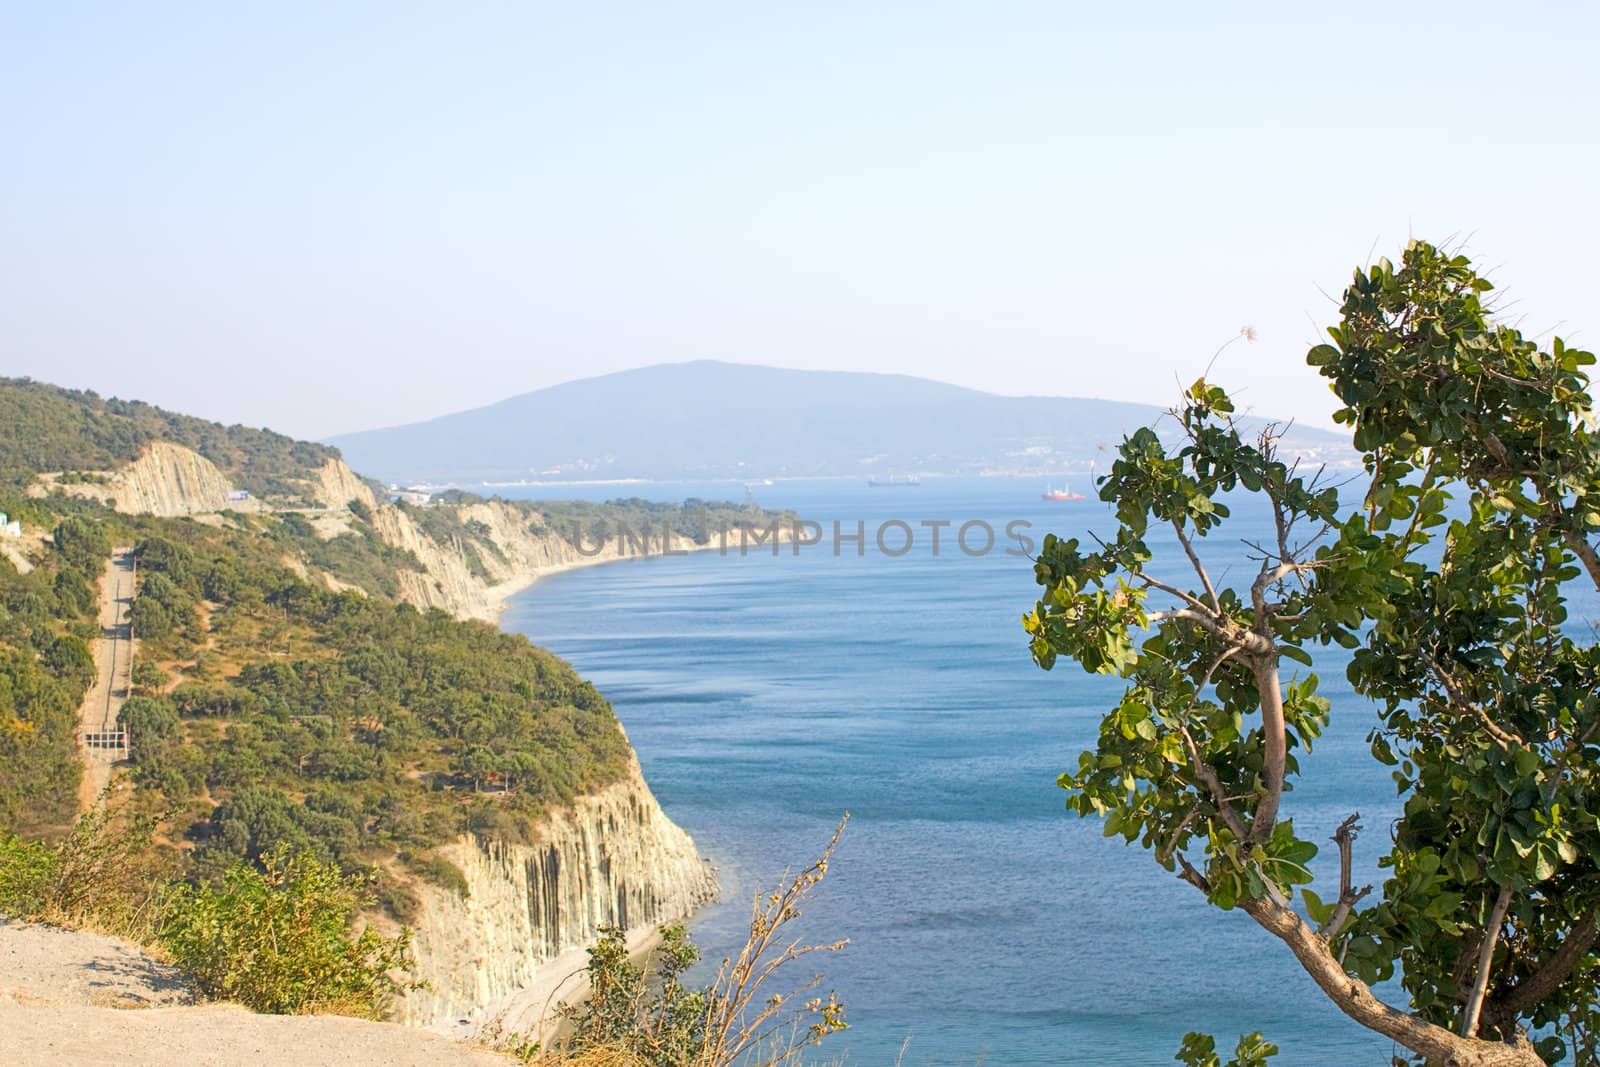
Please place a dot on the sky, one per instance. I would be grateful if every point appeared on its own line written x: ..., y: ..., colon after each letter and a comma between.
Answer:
x: 330, y: 217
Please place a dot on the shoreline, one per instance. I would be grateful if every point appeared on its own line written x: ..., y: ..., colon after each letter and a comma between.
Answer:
x: 534, y: 1010
x: 498, y: 596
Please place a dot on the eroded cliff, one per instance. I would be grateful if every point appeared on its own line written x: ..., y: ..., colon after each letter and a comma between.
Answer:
x: 614, y: 858
x: 167, y: 480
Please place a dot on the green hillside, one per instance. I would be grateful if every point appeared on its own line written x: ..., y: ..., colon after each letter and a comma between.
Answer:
x: 268, y: 709
x: 48, y: 428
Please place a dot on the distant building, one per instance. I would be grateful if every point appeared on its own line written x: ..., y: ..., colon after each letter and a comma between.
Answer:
x: 238, y: 494
x: 9, y: 527
x: 415, y: 497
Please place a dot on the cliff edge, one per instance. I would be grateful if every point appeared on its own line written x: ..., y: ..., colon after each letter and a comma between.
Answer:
x: 612, y: 859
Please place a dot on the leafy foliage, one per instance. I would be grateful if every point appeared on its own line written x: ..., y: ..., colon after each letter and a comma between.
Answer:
x: 1200, y: 1050
x: 275, y: 938
x: 45, y: 668
x: 102, y: 874
x: 1449, y: 574
x: 350, y: 726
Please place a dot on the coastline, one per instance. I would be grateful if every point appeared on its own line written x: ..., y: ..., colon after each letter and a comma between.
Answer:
x: 499, y: 595
x: 535, y: 1010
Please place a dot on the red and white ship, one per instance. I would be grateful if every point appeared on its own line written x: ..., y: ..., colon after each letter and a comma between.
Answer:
x: 1061, y: 494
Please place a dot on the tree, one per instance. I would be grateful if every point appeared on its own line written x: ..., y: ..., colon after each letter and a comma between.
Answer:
x: 1446, y: 566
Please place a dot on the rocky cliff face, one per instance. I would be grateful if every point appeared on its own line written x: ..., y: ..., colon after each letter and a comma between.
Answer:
x: 526, y: 550
x: 166, y: 480
x: 334, y: 485
x: 613, y: 859
x: 170, y: 481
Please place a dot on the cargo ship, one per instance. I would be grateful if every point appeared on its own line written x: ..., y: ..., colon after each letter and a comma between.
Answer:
x: 892, y: 481
x: 1061, y: 494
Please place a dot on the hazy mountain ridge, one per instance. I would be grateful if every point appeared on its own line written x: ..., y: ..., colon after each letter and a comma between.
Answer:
x: 709, y: 419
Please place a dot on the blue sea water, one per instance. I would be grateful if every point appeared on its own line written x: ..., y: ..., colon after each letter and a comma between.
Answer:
x: 768, y: 695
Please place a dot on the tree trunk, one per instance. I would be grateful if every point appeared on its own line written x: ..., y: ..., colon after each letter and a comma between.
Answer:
x: 1440, y: 1046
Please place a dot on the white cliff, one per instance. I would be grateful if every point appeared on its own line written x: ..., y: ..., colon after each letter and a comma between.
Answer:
x: 525, y: 550
x: 167, y: 480
x: 613, y: 859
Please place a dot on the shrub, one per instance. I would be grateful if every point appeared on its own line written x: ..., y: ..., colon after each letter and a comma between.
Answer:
x: 148, y: 677
x: 439, y: 871
x: 278, y: 940
x: 102, y: 876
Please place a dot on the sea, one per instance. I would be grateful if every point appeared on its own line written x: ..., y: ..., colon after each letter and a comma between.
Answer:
x: 769, y: 694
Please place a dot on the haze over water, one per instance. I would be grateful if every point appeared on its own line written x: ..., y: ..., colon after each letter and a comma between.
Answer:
x: 766, y: 696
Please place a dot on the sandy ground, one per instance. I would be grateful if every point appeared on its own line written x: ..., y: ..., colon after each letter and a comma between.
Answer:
x: 65, y: 999
x: 113, y: 660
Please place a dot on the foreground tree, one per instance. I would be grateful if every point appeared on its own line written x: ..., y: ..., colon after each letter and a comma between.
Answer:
x: 1446, y: 566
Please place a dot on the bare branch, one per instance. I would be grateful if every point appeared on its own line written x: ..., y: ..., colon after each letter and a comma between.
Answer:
x: 1349, y: 897
x: 1491, y: 938
x: 1194, y: 560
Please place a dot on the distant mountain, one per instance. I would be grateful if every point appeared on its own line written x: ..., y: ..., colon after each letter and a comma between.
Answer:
x: 710, y: 420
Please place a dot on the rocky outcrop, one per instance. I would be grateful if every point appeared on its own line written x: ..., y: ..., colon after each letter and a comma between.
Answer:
x: 167, y: 480
x: 613, y: 859
x: 335, y: 485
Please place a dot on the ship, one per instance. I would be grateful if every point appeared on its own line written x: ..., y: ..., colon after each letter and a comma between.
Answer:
x: 893, y: 482
x: 1061, y: 494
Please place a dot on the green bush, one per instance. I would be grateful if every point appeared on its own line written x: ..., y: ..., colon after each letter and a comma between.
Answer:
x: 439, y: 871
x: 278, y: 939
x: 27, y: 871
x: 103, y: 875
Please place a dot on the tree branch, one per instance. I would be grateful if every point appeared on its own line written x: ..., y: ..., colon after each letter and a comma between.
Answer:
x: 1208, y: 778
x: 1574, y: 948
x: 1491, y: 938
x: 1502, y: 737
x: 1349, y: 897
x: 1173, y: 590
x: 1586, y: 552
x: 1194, y: 560
x: 1353, y: 997
x: 1275, y: 743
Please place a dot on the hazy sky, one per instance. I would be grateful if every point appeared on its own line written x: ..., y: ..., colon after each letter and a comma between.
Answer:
x: 332, y: 217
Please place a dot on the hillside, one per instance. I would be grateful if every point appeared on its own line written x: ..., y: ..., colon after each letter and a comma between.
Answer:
x: 48, y: 428
x: 709, y: 419
x: 313, y: 670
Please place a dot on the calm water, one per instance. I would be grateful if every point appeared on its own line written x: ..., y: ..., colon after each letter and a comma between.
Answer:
x: 767, y: 696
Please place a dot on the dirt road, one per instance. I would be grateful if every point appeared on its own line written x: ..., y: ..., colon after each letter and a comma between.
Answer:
x: 113, y: 660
